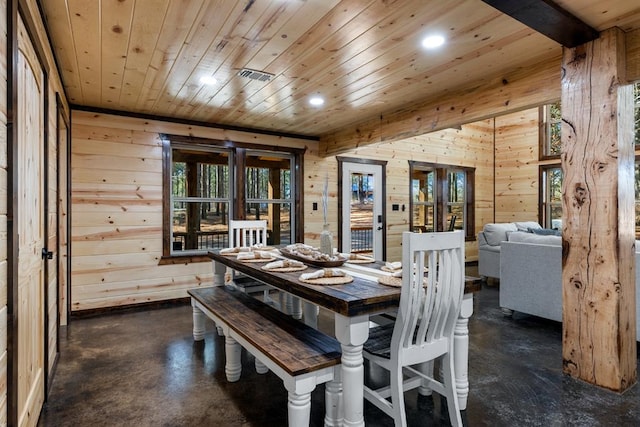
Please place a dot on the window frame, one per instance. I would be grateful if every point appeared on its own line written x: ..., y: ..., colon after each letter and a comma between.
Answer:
x: 273, y: 201
x: 544, y: 134
x: 441, y: 201
x: 237, y: 206
x: 544, y: 205
x: 205, y: 149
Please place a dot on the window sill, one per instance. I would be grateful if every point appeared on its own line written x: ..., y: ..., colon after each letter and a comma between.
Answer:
x: 183, y: 259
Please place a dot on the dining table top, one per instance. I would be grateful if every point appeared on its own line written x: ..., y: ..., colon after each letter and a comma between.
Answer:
x: 362, y: 296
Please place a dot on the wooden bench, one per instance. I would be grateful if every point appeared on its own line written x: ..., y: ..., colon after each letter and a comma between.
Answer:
x: 299, y: 354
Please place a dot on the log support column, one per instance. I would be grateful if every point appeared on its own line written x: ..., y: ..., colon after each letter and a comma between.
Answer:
x: 598, y: 256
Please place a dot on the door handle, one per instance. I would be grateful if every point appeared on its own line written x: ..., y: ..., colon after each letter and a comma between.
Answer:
x: 46, y: 254
x: 379, y: 228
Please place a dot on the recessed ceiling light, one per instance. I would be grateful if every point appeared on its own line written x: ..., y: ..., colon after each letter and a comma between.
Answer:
x: 316, y: 101
x: 432, y: 42
x: 208, y: 80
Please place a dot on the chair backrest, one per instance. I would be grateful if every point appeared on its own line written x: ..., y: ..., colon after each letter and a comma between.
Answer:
x: 247, y: 232
x: 429, y: 305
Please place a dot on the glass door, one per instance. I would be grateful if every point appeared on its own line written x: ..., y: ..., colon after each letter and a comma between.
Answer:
x: 362, y: 214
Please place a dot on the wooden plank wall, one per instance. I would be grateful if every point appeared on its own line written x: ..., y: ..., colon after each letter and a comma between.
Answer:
x: 117, y: 200
x: 116, y: 196
x: 471, y: 146
x: 3, y: 213
x: 516, y: 177
x: 39, y: 37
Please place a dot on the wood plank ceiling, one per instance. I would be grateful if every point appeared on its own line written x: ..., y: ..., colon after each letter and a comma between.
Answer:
x: 363, y: 57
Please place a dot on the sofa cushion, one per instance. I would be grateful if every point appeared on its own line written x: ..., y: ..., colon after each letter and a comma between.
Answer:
x: 527, y: 226
x: 496, y: 233
x: 522, y: 237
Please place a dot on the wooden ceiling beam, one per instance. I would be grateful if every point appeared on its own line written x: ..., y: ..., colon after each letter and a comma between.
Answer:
x: 528, y: 87
x: 549, y: 19
x: 525, y: 88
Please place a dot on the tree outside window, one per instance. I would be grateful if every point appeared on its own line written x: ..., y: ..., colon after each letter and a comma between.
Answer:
x: 550, y: 137
x: 442, y: 198
x: 636, y: 103
x: 269, y: 193
x: 200, y: 199
x: 551, y: 209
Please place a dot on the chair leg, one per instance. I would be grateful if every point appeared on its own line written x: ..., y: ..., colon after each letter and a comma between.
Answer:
x: 449, y: 380
x: 397, y: 397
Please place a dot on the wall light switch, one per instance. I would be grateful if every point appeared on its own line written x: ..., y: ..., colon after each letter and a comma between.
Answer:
x: 315, y: 206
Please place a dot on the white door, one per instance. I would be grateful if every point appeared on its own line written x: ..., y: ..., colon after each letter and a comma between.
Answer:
x: 30, y: 311
x: 362, y: 216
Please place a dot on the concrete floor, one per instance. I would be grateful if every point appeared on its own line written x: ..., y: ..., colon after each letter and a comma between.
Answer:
x: 143, y: 368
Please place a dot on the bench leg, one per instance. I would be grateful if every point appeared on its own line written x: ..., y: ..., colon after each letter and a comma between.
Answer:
x: 198, y: 322
x: 233, y: 365
x: 333, y: 400
x: 299, y: 409
x: 261, y: 368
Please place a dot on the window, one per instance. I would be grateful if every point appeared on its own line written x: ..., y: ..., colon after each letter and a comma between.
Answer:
x: 550, y: 125
x: 209, y: 182
x: 551, y: 195
x: 636, y: 185
x: 636, y: 104
x: 269, y: 191
x: 442, y: 198
x: 423, y: 198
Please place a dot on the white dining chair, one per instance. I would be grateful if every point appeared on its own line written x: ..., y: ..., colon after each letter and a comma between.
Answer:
x: 248, y: 233
x: 424, y: 327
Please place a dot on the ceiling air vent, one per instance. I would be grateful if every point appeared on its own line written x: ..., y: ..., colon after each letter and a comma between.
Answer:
x: 255, y: 75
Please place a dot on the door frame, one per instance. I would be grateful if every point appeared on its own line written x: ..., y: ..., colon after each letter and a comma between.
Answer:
x: 63, y: 163
x: 383, y: 196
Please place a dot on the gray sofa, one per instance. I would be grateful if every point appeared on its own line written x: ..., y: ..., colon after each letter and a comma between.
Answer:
x: 489, y: 241
x: 531, y: 276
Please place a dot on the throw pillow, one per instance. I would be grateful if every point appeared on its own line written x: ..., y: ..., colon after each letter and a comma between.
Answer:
x: 497, y: 233
x: 527, y: 226
x: 545, y: 232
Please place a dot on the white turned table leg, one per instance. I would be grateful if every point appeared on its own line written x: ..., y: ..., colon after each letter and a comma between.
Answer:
x: 233, y: 365
x: 334, y: 413
x: 461, y: 350
x: 261, y: 368
x: 352, y: 332
x: 299, y: 409
x: 198, y: 322
x: 310, y: 314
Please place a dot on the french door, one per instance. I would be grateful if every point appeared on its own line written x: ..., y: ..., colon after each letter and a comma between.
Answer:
x: 362, y: 221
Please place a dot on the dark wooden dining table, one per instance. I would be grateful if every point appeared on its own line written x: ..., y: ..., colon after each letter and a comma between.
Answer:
x: 352, y: 305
